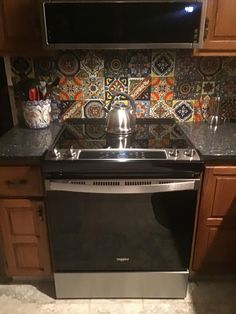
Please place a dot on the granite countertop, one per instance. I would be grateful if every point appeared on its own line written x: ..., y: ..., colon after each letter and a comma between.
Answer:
x: 212, y: 143
x: 27, y: 145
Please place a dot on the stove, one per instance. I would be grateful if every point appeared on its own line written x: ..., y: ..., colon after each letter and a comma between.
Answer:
x: 153, y: 139
x: 121, y: 209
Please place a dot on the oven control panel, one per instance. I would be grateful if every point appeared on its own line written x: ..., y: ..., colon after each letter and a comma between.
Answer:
x: 188, y: 154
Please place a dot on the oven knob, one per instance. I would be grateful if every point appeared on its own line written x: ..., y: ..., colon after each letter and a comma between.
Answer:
x: 174, y: 153
x: 56, y: 153
x: 189, y: 153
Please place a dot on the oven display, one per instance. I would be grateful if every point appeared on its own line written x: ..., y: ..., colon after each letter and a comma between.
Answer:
x: 122, y: 154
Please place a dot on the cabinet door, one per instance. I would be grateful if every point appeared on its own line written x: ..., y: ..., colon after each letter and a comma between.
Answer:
x: 220, y: 29
x: 19, y: 26
x: 24, y: 237
x: 215, y: 247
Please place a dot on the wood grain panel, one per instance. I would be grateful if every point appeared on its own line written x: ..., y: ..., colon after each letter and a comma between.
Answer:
x: 27, y: 256
x: 24, y: 236
x: 20, y: 181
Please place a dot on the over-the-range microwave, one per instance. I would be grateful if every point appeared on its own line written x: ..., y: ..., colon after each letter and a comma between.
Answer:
x: 142, y: 24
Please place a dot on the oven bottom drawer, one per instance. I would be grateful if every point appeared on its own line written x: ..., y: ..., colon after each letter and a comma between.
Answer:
x: 121, y: 285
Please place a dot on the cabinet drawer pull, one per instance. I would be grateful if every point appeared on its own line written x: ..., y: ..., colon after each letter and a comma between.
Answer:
x: 15, y: 183
x: 40, y: 213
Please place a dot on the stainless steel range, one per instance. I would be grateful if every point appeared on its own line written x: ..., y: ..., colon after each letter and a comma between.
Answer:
x: 121, y: 210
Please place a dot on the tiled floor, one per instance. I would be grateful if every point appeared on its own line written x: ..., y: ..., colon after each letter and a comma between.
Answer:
x: 205, y: 296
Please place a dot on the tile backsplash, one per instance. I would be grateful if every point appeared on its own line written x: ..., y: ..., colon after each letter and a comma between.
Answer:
x: 164, y: 83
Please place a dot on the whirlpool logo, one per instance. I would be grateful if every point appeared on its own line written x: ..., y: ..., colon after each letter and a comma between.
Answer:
x: 122, y: 259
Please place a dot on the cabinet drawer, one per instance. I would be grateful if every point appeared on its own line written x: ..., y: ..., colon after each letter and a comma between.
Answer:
x: 20, y: 181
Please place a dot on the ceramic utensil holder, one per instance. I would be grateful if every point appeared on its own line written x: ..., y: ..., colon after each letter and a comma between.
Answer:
x: 37, y: 113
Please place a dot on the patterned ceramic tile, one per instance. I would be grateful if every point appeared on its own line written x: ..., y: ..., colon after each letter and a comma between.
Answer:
x: 139, y: 63
x: 187, y: 89
x: 113, y: 85
x: 91, y: 64
x: 210, y: 67
x: 142, y: 132
x: 203, y: 105
x: 163, y: 63
x: 74, y: 110
x: 68, y: 64
x: 229, y: 66
x: 21, y: 67
x: 139, y: 88
x: 45, y: 68
x: 183, y: 110
x: 198, y: 110
x: 71, y: 88
x: 116, y: 64
x: 228, y: 88
x: 161, y: 109
x: 228, y: 108
x: 152, y: 77
x: 208, y: 87
x: 142, y: 108
x: 94, y: 88
x: 94, y: 109
x: 186, y: 66
x: 95, y: 131
x: 162, y: 88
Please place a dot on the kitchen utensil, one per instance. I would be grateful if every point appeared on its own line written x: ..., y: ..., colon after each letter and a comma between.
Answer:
x: 120, y: 116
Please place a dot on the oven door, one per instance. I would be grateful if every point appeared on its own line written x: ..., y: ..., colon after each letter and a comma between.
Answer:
x: 121, y: 225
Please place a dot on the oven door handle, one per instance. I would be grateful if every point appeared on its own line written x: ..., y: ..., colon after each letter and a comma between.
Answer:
x: 57, y: 185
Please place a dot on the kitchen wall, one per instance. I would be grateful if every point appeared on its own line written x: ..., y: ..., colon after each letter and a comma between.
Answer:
x: 164, y: 83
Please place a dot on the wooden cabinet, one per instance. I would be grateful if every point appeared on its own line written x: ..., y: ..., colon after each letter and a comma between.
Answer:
x: 215, y: 247
x: 22, y: 222
x: 20, y: 30
x: 220, y: 28
x: 20, y: 181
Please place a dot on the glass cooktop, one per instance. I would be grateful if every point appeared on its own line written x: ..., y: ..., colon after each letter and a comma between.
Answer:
x: 149, y: 134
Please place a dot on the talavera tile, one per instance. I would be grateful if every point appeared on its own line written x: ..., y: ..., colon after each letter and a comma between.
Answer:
x: 210, y: 67
x: 163, y: 63
x: 116, y: 64
x: 142, y: 108
x: 139, y: 63
x: 115, y: 85
x: 162, y: 88
x: 155, y: 76
x: 139, y: 88
x: 183, y: 110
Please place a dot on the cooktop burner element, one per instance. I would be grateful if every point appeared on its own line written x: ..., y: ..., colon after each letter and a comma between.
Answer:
x: 153, y: 139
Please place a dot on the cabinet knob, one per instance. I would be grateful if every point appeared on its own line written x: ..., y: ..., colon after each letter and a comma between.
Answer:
x: 206, y: 30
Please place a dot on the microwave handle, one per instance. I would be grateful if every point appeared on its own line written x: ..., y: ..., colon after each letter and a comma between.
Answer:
x: 57, y: 185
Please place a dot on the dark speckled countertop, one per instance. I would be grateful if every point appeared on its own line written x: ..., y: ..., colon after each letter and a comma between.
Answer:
x: 212, y: 143
x: 27, y: 145
x: 24, y: 145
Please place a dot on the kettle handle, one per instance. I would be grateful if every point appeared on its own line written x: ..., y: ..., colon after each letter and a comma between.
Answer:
x: 126, y: 96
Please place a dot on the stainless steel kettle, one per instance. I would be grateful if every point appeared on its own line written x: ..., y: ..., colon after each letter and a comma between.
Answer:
x: 120, y: 116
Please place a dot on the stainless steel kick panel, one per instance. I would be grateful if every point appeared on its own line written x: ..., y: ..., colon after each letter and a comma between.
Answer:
x: 121, y: 285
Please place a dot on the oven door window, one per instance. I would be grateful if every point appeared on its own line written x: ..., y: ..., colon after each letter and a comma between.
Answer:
x: 105, y: 232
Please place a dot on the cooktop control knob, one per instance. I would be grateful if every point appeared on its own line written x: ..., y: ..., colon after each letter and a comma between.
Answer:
x: 56, y: 153
x: 72, y: 152
x: 189, y: 153
x: 174, y: 153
